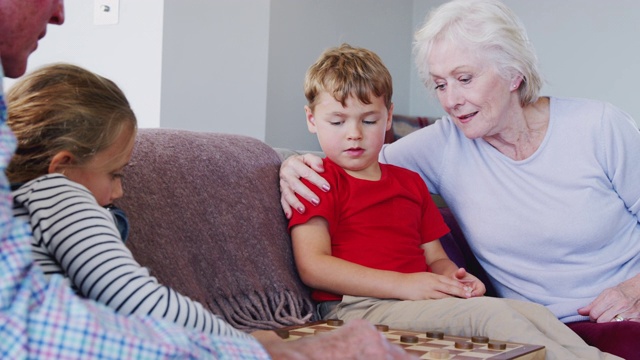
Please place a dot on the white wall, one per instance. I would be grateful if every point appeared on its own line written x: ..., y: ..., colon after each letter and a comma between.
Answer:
x: 214, y: 71
x: 129, y: 53
x: 237, y: 66
x: 586, y: 48
x: 189, y: 64
x: 228, y: 65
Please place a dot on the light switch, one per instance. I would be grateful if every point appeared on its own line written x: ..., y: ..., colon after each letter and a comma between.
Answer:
x: 105, y: 12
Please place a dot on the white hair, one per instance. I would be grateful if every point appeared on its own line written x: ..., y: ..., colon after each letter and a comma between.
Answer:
x: 491, y: 29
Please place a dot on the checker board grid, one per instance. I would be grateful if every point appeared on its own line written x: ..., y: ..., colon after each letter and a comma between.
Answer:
x: 424, y: 345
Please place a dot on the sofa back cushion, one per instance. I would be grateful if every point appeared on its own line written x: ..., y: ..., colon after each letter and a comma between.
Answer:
x: 206, y: 220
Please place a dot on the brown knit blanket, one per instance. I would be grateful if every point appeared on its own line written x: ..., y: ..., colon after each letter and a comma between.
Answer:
x: 206, y: 220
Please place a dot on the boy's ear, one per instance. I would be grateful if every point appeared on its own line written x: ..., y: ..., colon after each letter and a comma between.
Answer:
x: 390, y: 117
x: 311, y: 121
x: 60, y: 161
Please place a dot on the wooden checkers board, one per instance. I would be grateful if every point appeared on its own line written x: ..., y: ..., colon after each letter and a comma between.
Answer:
x: 433, y: 344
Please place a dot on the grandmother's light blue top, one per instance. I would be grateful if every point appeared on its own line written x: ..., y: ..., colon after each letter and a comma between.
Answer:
x: 556, y: 228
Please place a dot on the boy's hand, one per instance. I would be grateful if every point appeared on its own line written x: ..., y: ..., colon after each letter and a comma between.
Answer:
x: 471, y: 284
x: 428, y: 286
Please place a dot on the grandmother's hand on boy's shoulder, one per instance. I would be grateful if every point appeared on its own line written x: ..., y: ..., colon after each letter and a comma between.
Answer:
x: 294, y: 168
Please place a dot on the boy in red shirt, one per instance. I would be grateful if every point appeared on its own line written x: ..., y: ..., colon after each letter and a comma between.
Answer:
x: 370, y: 249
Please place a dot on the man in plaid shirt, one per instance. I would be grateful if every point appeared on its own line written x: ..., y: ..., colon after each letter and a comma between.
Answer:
x: 40, y: 319
x: 45, y: 320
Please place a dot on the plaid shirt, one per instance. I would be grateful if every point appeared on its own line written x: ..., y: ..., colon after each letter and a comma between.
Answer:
x: 42, y: 319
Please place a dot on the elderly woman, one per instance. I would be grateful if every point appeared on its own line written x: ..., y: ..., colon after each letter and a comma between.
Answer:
x: 546, y: 189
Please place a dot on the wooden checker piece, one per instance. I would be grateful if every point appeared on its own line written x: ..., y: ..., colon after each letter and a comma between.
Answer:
x: 432, y: 344
x: 438, y: 354
x: 463, y: 345
x: 435, y: 335
x: 409, y: 339
x: 283, y: 333
x: 480, y: 340
x: 497, y: 345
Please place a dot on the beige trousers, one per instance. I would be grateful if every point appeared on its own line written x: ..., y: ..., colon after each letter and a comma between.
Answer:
x: 500, y: 319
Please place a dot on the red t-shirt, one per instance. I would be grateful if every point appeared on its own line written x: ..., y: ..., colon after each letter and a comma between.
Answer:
x: 379, y: 224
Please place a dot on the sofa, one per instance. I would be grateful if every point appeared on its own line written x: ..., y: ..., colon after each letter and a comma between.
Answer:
x: 205, y: 217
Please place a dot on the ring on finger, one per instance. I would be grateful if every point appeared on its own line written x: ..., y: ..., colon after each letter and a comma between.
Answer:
x: 618, y: 318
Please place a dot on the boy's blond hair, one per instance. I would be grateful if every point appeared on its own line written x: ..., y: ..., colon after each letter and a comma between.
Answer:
x: 348, y: 71
x: 63, y: 107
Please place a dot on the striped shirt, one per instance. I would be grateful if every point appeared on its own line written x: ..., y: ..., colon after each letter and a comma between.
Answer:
x: 75, y: 237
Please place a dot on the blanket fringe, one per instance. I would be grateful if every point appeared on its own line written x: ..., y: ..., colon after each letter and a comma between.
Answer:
x: 262, y: 311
